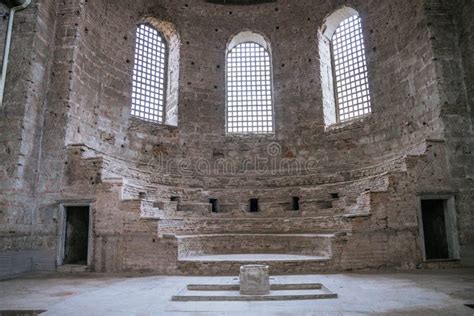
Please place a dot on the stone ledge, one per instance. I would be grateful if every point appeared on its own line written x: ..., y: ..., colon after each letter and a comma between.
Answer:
x: 278, y: 292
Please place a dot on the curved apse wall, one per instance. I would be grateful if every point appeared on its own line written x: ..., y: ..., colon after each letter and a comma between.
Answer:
x: 129, y: 167
x: 399, y: 65
x: 74, y: 138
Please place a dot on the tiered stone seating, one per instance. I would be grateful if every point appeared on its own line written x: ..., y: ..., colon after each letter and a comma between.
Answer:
x: 163, y: 228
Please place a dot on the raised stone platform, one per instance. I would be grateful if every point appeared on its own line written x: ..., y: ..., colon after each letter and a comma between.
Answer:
x: 254, y: 284
x: 231, y: 292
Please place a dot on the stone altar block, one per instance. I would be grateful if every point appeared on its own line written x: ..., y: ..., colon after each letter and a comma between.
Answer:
x: 254, y: 280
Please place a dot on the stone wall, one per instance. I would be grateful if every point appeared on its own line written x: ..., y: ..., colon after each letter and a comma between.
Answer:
x: 75, y: 60
x: 463, y: 144
x: 104, y: 61
x: 450, y: 41
x: 466, y: 43
x: 23, y: 225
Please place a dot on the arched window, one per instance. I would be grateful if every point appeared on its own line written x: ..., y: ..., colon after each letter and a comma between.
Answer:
x: 249, y: 89
x: 345, y: 75
x: 149, y: 74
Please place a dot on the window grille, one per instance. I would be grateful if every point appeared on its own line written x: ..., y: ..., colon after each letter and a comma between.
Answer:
x: 149, y: 75
x: 350, y: 70
x: 249, y: 90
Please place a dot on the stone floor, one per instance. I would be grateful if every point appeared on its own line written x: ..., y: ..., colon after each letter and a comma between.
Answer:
x: 443, y: 292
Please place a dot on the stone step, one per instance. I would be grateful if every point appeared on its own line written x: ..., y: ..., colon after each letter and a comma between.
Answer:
x: 180, y: 210
x: 253, y: 258
x: 249, y: 225
x: 266, y: 208
x: 232, y: 292
x: 72, y: 268
x: 286, y: 246
x: 279, y: 264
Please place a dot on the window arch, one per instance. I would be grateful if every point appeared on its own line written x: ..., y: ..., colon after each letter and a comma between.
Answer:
x: 249, y: 88
x: 344, y: 67
x: 150, y: 73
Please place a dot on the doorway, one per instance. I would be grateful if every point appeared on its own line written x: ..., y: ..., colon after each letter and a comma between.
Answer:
x: 434, y: 229
x: 438, y: 228
x: 75, y: 248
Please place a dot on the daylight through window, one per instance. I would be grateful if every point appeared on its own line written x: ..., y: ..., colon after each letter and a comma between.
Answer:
x: 149, y: 75
x: 249, y: 90
x: 350, y: 70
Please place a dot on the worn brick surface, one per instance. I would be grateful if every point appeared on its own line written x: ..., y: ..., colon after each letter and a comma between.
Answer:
x: 66, y: 133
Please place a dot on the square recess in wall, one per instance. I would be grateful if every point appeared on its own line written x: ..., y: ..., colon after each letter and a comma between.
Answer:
x: 253, y: 205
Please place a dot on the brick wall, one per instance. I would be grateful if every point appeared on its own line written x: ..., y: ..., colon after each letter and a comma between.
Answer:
x: 70, y: 83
